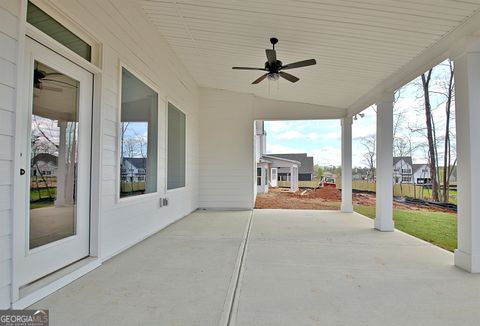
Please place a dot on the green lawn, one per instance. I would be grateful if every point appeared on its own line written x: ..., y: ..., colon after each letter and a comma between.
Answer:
x: 34, y: 193
x: 44, y: 201
x: 434, y: 227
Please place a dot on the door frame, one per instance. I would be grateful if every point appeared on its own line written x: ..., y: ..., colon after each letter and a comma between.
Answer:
x: 28, y: 31
x: 276, y: 177
x: 55, y: 255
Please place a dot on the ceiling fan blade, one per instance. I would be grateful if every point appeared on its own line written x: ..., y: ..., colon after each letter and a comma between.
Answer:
x: 259, y: 79
x: 300, y: 64
x: 271, y: 56
x: 289, y: 77
x: 249, y: 68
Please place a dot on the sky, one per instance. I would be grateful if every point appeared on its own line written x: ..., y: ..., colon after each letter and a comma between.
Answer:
x: 319, y: 138
x: 322, y: 138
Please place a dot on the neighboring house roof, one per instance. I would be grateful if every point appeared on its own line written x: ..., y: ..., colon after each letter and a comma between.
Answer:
x: 416, y: 167
x: 137, y: 162
x: 45, y: 157
x: 264, y: 160
x: 305, y: 161
x: 406, y: 159
x: 271, y: 157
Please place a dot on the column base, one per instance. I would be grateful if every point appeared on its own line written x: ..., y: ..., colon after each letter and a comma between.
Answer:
x: 346, y: 208
x: 467, y: 261
x: 384, y: 226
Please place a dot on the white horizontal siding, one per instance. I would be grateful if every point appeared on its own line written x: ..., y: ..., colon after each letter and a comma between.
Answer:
x: 7, y: 97
x: 226, y: 150
x: 8, y: 58
x: 128, y: 38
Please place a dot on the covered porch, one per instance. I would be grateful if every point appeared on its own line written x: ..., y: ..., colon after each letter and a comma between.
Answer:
x: 248, y: 267
x: 272, y: 267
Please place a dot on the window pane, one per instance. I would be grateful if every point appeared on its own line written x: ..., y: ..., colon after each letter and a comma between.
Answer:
x: 176, y: 148
x: 54, y: 156
x: 57, y: 31
x: 139, y: 116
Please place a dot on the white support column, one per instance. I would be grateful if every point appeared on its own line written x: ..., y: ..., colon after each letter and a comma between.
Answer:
x: 347, y: 206
x: 384, y: 193
x: 467, y: 108
x: 294, y: 178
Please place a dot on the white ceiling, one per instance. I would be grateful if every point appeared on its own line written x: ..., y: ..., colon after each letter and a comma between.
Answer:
x: 358, y: 44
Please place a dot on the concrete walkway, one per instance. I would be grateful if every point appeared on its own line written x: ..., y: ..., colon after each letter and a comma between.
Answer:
x: 296, y: 268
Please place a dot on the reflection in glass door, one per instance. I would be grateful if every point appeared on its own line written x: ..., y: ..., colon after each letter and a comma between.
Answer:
x: 53, y: 160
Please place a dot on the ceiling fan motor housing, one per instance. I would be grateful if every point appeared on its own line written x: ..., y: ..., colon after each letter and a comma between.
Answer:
x: 273, y: 68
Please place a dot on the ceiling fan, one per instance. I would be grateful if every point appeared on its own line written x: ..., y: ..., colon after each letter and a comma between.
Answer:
x: 275, y: 67
x: 39, y: 76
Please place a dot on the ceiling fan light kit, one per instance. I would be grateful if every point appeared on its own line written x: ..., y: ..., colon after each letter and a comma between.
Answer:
x: 274, y: 67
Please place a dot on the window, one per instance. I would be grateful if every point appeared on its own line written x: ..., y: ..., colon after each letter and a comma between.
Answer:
x: 176, y: 140
x: 48, y: 25
x: 259, y: 176
x: 138, y: 149
x: 406, y: 171
x: 406, y: 179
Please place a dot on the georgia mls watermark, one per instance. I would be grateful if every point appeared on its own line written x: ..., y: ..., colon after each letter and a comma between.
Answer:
x: 23, y: 317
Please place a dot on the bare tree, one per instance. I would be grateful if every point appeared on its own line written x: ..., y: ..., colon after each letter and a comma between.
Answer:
x: 432, y: 153
x: 447, y: 154
x: 370, y: 144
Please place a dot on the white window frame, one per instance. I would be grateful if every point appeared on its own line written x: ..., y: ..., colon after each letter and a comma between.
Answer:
x: 173, y: 102
x: 72, y: 26
x: 142, y: 197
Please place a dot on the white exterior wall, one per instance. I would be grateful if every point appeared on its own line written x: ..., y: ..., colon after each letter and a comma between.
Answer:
x: 130, y: 40
x: 398, y: 174
x: 263, y: 188
x: 420, y: 174
x: 227, y: 162
x: 9, y: 12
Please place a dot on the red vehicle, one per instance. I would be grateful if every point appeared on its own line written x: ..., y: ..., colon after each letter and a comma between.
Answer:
x: 328, y: 182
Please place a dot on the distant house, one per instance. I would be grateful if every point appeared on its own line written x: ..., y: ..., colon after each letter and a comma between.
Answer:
x: 133, y: 169
x: 404, y: 171
x: 44, y: 164
x: 421, y: 174
x: 359, y: 174
x: 305, y: 173
x: 272, y: 168
x: 269, y: 168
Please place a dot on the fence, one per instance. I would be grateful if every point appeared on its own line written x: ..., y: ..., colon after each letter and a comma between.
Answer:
x: 301, y: 184
x: 402, y: 190
x: 399, y: 189
x: 132, y: 186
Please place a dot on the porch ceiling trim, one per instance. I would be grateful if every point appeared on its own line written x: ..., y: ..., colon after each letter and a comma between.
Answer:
x: 431, y: 57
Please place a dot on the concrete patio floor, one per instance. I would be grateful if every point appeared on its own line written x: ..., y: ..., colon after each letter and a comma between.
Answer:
x: 297, y: 268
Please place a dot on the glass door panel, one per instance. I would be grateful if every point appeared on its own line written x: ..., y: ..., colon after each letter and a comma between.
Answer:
x: 53, y: 156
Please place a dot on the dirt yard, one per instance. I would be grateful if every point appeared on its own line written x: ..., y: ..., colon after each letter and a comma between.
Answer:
x: 326, y: 198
